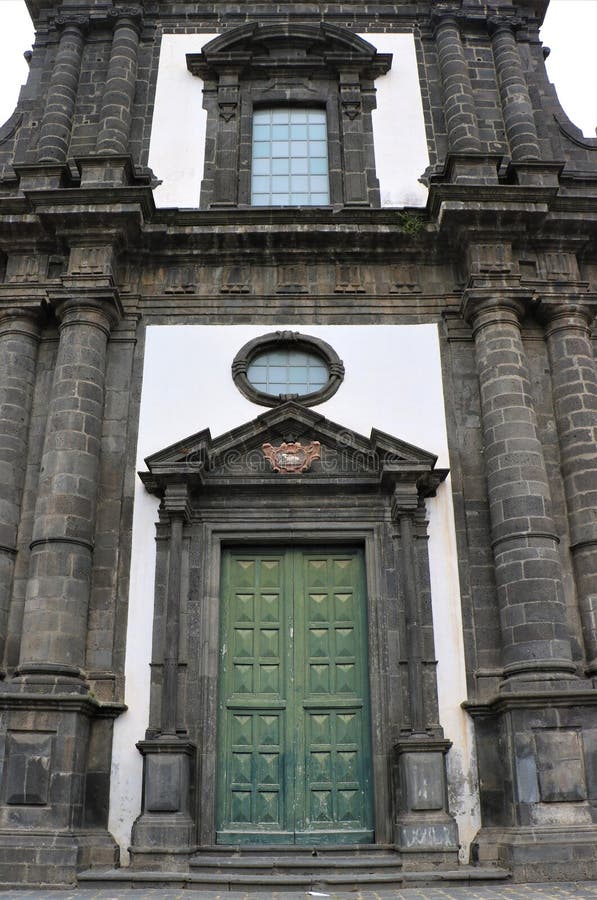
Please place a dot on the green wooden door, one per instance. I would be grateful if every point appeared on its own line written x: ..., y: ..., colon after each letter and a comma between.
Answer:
x: 294, y: 743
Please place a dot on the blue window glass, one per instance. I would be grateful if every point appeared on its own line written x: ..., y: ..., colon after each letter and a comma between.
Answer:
x: 289, y: 141
x: 281, y: 372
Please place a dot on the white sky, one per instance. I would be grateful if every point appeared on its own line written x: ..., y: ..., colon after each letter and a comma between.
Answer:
x: 570, y: 30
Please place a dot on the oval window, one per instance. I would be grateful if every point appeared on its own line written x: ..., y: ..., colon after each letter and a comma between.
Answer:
x: 287, y: 365
x: 283, y: 372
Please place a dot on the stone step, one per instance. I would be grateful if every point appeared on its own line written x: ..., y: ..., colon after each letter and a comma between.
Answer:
x: 283, y: 863
x: 294, y: 850
x: 269, y: 880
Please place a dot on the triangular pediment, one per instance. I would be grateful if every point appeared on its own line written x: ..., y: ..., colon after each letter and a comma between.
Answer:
x: 265, y: 448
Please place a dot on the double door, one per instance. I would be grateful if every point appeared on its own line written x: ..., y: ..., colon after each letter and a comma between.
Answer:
x: 294, y: 742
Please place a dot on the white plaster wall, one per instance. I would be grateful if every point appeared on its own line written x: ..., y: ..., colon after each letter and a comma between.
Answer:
x: 393, y: 382
x: 177, y: 144
x: 401, y: 154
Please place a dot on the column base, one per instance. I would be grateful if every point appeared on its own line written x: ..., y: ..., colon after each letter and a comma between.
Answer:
x: 538, y: 782
x: 538, y: 173
x: 43, y: 176
x: 165, y: 828
x: 53, y: 858
x: 545, y: 854
x: 425, y: 832
x: 471, y: 168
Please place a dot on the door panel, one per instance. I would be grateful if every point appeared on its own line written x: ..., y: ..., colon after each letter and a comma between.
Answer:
x: 294, y: 736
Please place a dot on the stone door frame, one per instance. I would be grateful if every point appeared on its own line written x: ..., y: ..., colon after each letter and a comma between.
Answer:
x: 367, y: 492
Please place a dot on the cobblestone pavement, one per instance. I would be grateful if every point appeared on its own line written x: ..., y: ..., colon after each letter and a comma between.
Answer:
x: 554, y: 891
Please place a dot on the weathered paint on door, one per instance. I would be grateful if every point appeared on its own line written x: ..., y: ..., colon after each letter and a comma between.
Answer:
x: 294, y: 739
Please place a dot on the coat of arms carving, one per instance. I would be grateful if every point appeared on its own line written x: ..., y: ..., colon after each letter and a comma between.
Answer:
x: 291, y: 458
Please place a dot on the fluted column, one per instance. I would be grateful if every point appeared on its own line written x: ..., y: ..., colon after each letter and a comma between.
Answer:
x: 574, y: 381
x: 57, y: 120
x: 119, y: 92
x: 19, y: 336
x: 459, y: 102
x: 514, y: 93
x: 535, y: 639
x: 55, y: 615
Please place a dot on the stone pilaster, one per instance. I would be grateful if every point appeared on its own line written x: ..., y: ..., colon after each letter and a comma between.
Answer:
x: 425, y: 830
x: 459, y: 101
x: 514, y: 93
x: 119, y: 92
x: 57, y: 120
x: 574, y: 381
x: 227, y: 140
x: 165, y: 821
x: 55, y: 616
x: 19, y: 336
x: 535, y: 639
x: 351, y: 106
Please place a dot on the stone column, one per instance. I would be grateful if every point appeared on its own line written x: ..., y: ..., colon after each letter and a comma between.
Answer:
x: 57, y: 120
x: 535, y: 639
x: 119, y: 92
x: 55, y: 615
x: 19, y: 336
x: 514, y: 93
x: 459, y: 101
x: 574, y: 380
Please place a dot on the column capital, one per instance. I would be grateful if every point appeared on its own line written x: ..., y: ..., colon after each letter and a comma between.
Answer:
x: 496, y: 24
x: 127, y: 16
x: 176, y: 502
x: 405, y: 501
x: 560, y: 313
x: 102, y: 312
x: 21, y: 320
x: 75, y: 23
x: 448, y: 16
x: 487, y: 306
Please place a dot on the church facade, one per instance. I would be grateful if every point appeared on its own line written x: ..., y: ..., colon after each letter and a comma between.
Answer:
x: 298, y: 447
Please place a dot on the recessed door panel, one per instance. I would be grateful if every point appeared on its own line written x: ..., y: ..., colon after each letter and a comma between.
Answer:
x: 294, y: 736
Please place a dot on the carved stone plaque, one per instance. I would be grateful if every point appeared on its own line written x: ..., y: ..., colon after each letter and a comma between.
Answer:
x: 291, y: 458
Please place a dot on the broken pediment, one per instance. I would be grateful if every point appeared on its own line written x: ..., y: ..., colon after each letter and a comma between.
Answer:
x: 291, y: 443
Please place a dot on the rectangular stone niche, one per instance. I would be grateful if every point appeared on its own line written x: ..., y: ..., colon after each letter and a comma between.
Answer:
x: 28, y: 768
x: 560, y: 766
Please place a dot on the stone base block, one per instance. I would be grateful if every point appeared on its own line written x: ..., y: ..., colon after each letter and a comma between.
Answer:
x: 149, y: 859
x: 168, y: 833
x: 541, y: 854
x: 462, y: 168
x: 425, y: 832
x: 52, y: 858
x: 427, y: 841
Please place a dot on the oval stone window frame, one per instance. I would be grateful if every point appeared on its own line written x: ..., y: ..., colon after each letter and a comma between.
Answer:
x: 287, y: 340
